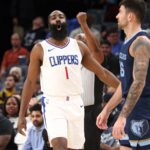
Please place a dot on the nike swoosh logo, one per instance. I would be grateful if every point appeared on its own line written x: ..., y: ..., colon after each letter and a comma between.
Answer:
x: 50, y: 49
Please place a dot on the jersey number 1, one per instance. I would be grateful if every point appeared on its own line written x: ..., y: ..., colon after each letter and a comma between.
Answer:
x: 67, y: 75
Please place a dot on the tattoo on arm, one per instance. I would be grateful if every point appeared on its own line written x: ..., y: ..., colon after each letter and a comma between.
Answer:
x: 140, y: 67
x: 141, y: 44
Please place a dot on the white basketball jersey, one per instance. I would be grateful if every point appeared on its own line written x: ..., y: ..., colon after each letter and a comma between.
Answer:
x: 61, y: 69
x: 88, y: 79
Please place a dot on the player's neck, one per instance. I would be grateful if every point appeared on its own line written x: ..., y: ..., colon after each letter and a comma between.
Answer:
x: 57, y: 42
x: 130, y: 30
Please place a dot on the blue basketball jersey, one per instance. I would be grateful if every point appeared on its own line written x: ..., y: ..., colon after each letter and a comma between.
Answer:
x: 126, y: 76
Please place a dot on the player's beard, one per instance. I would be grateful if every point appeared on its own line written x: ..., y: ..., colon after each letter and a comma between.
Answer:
x: 58, y: 31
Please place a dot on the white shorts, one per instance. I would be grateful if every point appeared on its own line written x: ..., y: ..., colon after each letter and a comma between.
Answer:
x: 64, y: 117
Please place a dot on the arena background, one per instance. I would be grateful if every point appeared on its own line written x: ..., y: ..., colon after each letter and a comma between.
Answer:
x: 26, y: 10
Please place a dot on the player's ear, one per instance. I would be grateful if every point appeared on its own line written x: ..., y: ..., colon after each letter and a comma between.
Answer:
x: 131, y: 16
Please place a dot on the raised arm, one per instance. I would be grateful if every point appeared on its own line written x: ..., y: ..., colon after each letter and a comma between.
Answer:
x: 92, y: 42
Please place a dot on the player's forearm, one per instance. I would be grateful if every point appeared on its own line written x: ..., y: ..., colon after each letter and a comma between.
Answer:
x: 110, y: 79
x: 89, y: 35
x: 132, y: 98
x: 115, y: 99
x: 93, y: 46
x: 107, y: 77
x: 25, y: 98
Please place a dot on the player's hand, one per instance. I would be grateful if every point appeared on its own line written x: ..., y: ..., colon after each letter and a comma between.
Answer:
x: 22, y: 125
x: 82, y: 17
x: 118, y: 129
x: 102, y: 119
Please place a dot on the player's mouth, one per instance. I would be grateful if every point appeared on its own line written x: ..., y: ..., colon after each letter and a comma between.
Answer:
x: 59, y: 27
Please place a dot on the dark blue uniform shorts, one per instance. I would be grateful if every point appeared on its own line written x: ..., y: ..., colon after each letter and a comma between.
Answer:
x: 138, y: 134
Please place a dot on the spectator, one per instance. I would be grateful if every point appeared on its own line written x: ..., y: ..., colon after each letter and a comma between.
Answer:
x: 8, y: 90
x: 11, y: 57
x: 38, y: 32
x: 113, y: 36
x: 17, y: 28
x: 35, y: 140
x: 103, y: 32
x: 11, y: 111
x: 111, y: 62
x: 24, y: 10
x: 32, y: 102
x: 17, y: 72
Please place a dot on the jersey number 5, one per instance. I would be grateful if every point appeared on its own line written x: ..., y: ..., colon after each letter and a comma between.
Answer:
x: 122, y: 72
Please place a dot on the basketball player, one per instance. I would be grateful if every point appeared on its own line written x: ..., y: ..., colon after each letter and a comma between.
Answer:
x: 58, y: 61
x: 93, y: 88
x: 134, y: 119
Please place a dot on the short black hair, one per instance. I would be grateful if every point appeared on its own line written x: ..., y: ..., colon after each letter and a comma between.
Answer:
x: 59, y: 11
x: 5, y: 102
x: 36, y: 107
x: 106, y: 42
x: 138, y: 7
x: 112, y: 29
x: 11, y: 75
